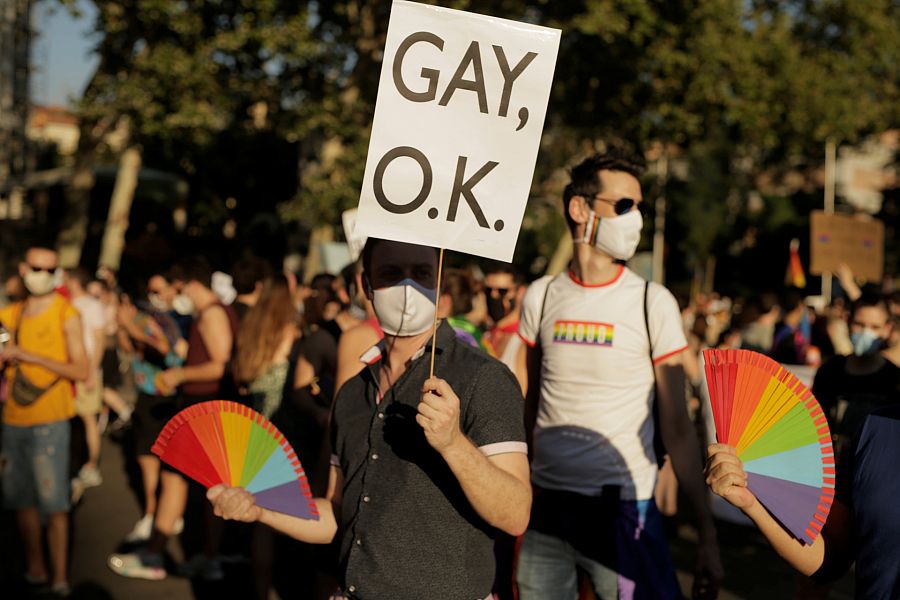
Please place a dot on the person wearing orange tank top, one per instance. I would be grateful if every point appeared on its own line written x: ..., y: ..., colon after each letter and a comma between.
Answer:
x: 44, y: 357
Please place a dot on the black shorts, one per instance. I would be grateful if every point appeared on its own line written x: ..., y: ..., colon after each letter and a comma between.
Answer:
x: 151, y: 413
x: 112, y: 376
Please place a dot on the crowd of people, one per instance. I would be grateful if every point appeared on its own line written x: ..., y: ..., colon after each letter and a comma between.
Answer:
x: 537, y: 459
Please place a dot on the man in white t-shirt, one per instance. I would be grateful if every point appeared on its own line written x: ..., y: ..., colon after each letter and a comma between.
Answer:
x: 598, y: 338
x: 89, y: 393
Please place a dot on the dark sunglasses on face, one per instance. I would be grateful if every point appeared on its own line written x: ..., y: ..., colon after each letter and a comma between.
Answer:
x: 624, y: 205
x: 500, y: 291
x: 44, y: 269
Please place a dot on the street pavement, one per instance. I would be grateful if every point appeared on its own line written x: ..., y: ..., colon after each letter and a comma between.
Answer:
x: 108, y: 512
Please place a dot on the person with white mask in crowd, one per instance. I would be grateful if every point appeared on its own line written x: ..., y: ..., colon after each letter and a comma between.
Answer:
x: 602, y: 346
x: 424, y: 469
x: 43, y: 358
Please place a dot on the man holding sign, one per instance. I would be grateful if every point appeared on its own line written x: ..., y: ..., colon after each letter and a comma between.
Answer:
x: 425, y: 469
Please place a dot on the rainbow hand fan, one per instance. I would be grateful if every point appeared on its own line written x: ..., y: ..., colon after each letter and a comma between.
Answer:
x: 225, y: 442
x: 780, y: 433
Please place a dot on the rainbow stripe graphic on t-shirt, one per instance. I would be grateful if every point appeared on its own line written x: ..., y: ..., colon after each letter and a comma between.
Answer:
x: 583, y: 332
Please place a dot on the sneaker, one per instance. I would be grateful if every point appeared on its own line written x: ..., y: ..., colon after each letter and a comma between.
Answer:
x: 90, y: 476
x: 61, y: 589
x: 141, y: 531
x: 137, y: 566
x: 201, y: 566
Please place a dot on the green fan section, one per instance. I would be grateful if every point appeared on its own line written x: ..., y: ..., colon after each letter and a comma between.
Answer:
x: 794, y: 430
x: 260, y: 446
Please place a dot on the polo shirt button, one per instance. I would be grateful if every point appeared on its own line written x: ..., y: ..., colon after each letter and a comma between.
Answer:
x: 366, y: 499
x: 375, y: 456
x: 359, y: 541
x: 381, y: 415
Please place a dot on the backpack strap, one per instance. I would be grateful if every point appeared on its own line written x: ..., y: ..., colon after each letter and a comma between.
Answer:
x: 658, y: 447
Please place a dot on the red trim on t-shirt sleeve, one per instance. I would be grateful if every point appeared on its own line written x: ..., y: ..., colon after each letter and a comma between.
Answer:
x: 528, y: 342
x: 659, y: 359
x: 597, y: 285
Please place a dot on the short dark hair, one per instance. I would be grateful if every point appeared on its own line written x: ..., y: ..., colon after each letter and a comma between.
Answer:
x: 497, y: 267
x: 870, y: 300
x: 790, y: 300
x: 195, y: 268
x: 81, y: 275
x: 585, y: 176
x: 249, y: 271
x: 369, y: 250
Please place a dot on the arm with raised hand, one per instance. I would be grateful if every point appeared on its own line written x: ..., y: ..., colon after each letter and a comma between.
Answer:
x: 726, y: 477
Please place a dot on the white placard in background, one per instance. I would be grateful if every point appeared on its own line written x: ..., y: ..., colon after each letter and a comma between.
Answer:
x: 458, y: 121
x: 355, y: 242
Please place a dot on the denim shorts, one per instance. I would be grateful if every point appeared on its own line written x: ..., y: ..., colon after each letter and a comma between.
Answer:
x: 36, y: 467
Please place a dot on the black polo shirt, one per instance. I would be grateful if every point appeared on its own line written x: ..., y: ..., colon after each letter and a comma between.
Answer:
x: 409, y: 531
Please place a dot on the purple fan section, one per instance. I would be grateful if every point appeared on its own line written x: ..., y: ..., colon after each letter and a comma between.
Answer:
x: 793, y: 504
x: 287, y: 498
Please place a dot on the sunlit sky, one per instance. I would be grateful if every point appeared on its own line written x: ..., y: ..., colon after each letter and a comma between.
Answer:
x: 61, y: 52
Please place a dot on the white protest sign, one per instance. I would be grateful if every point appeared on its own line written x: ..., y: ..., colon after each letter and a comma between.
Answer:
x: 458, y: 121
x: 355, y: 242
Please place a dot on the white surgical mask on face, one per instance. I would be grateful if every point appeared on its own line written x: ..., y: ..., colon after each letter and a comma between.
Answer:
x: 183, y: 305
x: 40, y: 283
x: 157, y: 302
x: 616, y: 236
x: 404, y: 309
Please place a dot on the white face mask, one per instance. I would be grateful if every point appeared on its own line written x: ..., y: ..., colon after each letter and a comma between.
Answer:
x: 183, y: 305
x: 616, y: 236
x: 404, y: 309
x: 157, y: 302
x: 40, y: 283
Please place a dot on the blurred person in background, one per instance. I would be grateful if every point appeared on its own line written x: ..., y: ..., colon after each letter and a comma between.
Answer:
x: 110, y: 364
x: 892, y: 352
x: 152, y: 338
x: 791, y: 340
x: 362, y: 336
x: 289, y: 377
x: 455, y: 304
x: 201, y: 378
x: 328, y: 306
x: 264, y: 341
x: 89, y: 393
x: 850, y: 387
x: 14, y: 288
x: 503, y: 290
x: 44, y: 357
x: 759, y: 318
x: 248, y: 276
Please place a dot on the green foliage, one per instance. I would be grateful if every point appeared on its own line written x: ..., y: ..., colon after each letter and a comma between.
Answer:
x: 738, y: 86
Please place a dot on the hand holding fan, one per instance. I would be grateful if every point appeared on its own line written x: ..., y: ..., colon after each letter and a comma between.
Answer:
x: 779, y: 432
x: 225, y: 442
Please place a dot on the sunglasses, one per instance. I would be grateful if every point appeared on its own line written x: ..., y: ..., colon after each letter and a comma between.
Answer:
x: 500, y: 291
x: 44, y: 269
x: 624, y: 205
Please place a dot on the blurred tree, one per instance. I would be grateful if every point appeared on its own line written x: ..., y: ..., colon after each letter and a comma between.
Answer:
x: 731, y: 88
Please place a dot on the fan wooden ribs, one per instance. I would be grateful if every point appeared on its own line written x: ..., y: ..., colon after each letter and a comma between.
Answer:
x: 779, y: 432
x: 225, y: 442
